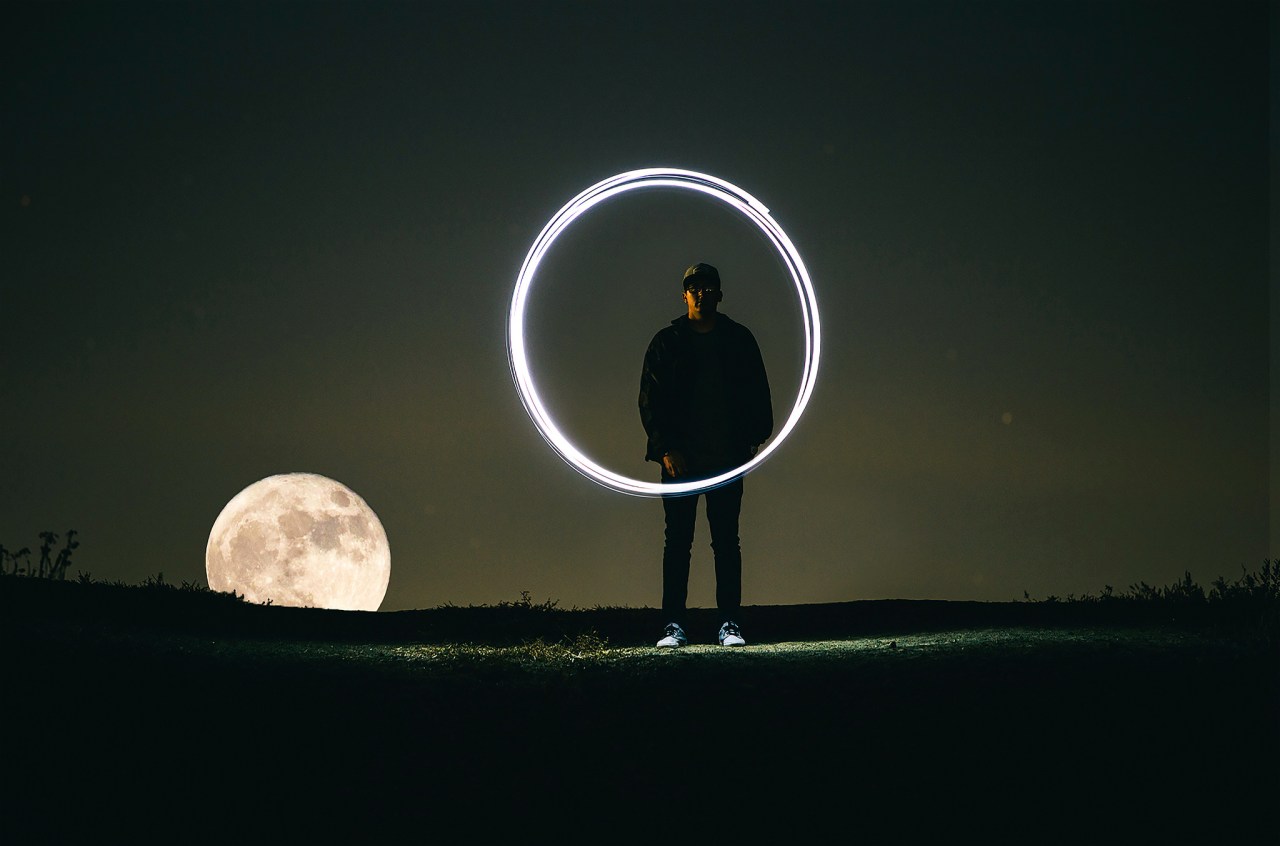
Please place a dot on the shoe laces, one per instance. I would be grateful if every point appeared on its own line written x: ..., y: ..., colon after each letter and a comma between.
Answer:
x: 674, y: 630
x: 730, y: 628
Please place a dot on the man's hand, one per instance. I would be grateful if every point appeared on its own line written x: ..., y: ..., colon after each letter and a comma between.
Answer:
x: 753, y: 449
x: 673, y: 463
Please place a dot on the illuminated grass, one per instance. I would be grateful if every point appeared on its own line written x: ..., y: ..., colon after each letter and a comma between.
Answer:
x: 593, y: 660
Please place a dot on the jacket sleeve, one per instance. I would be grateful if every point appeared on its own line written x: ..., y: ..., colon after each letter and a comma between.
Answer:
x: 759, y: 402
x: 655, y: 401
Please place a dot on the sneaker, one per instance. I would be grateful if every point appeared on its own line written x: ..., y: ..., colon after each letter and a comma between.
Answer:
x: 731, y: 635
x: 674, y: 637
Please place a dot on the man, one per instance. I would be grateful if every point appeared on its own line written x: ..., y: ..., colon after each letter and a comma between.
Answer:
x: 705, y: 405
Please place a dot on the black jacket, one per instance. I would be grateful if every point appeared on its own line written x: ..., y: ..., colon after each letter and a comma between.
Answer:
x: 666, y: 387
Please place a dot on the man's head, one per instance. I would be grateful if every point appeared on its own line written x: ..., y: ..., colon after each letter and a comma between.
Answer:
x: 701, y: 290
x: 702, y: 275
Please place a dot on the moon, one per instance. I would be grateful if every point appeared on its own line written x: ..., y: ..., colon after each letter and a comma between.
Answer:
x: 303, y: 540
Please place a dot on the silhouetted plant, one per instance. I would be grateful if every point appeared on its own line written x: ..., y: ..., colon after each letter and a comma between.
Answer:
x: 9, y: 560
x: 1251, y: 602
x: 46, y: 563
x: 49, y: 567
x: 1185, y: 592
x: 1265, y: 585
x: 63, y: 560
x: 525, y: 603
x: 156, y: 582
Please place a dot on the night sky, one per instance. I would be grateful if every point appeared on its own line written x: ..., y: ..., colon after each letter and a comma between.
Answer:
x: 249, y: 239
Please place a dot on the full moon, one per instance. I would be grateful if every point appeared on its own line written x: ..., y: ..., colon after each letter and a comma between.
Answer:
x: 303, y: 540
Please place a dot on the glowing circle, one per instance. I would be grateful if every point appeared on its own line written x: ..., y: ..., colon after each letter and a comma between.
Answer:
x: 732, y: 196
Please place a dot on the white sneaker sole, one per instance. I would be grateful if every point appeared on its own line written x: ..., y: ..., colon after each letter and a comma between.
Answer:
x: 731, y: 640
x: 668, y: 643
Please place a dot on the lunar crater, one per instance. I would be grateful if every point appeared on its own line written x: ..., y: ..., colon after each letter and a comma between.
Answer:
x: 295, y: 524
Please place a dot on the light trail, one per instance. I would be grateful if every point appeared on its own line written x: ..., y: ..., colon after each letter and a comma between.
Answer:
x: 732, y: 196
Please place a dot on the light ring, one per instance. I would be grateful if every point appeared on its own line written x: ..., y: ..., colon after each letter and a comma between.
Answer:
x: 632, y: 180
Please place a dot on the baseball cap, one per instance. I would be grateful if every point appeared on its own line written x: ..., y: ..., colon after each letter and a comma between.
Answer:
x: 701, y: 273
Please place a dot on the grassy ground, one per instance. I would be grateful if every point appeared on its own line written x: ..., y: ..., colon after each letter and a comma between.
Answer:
x: 134, y: 712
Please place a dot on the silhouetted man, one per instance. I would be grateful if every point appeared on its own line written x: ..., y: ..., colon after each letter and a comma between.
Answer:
x: 705, y: 405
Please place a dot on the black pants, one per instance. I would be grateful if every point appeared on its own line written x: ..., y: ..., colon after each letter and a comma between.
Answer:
x: 723, y: 507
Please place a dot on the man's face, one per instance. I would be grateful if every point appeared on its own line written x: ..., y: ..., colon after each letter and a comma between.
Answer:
x: 701, y: 297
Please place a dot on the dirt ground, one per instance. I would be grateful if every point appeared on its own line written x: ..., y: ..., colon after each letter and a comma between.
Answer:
x: 131, y: 715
